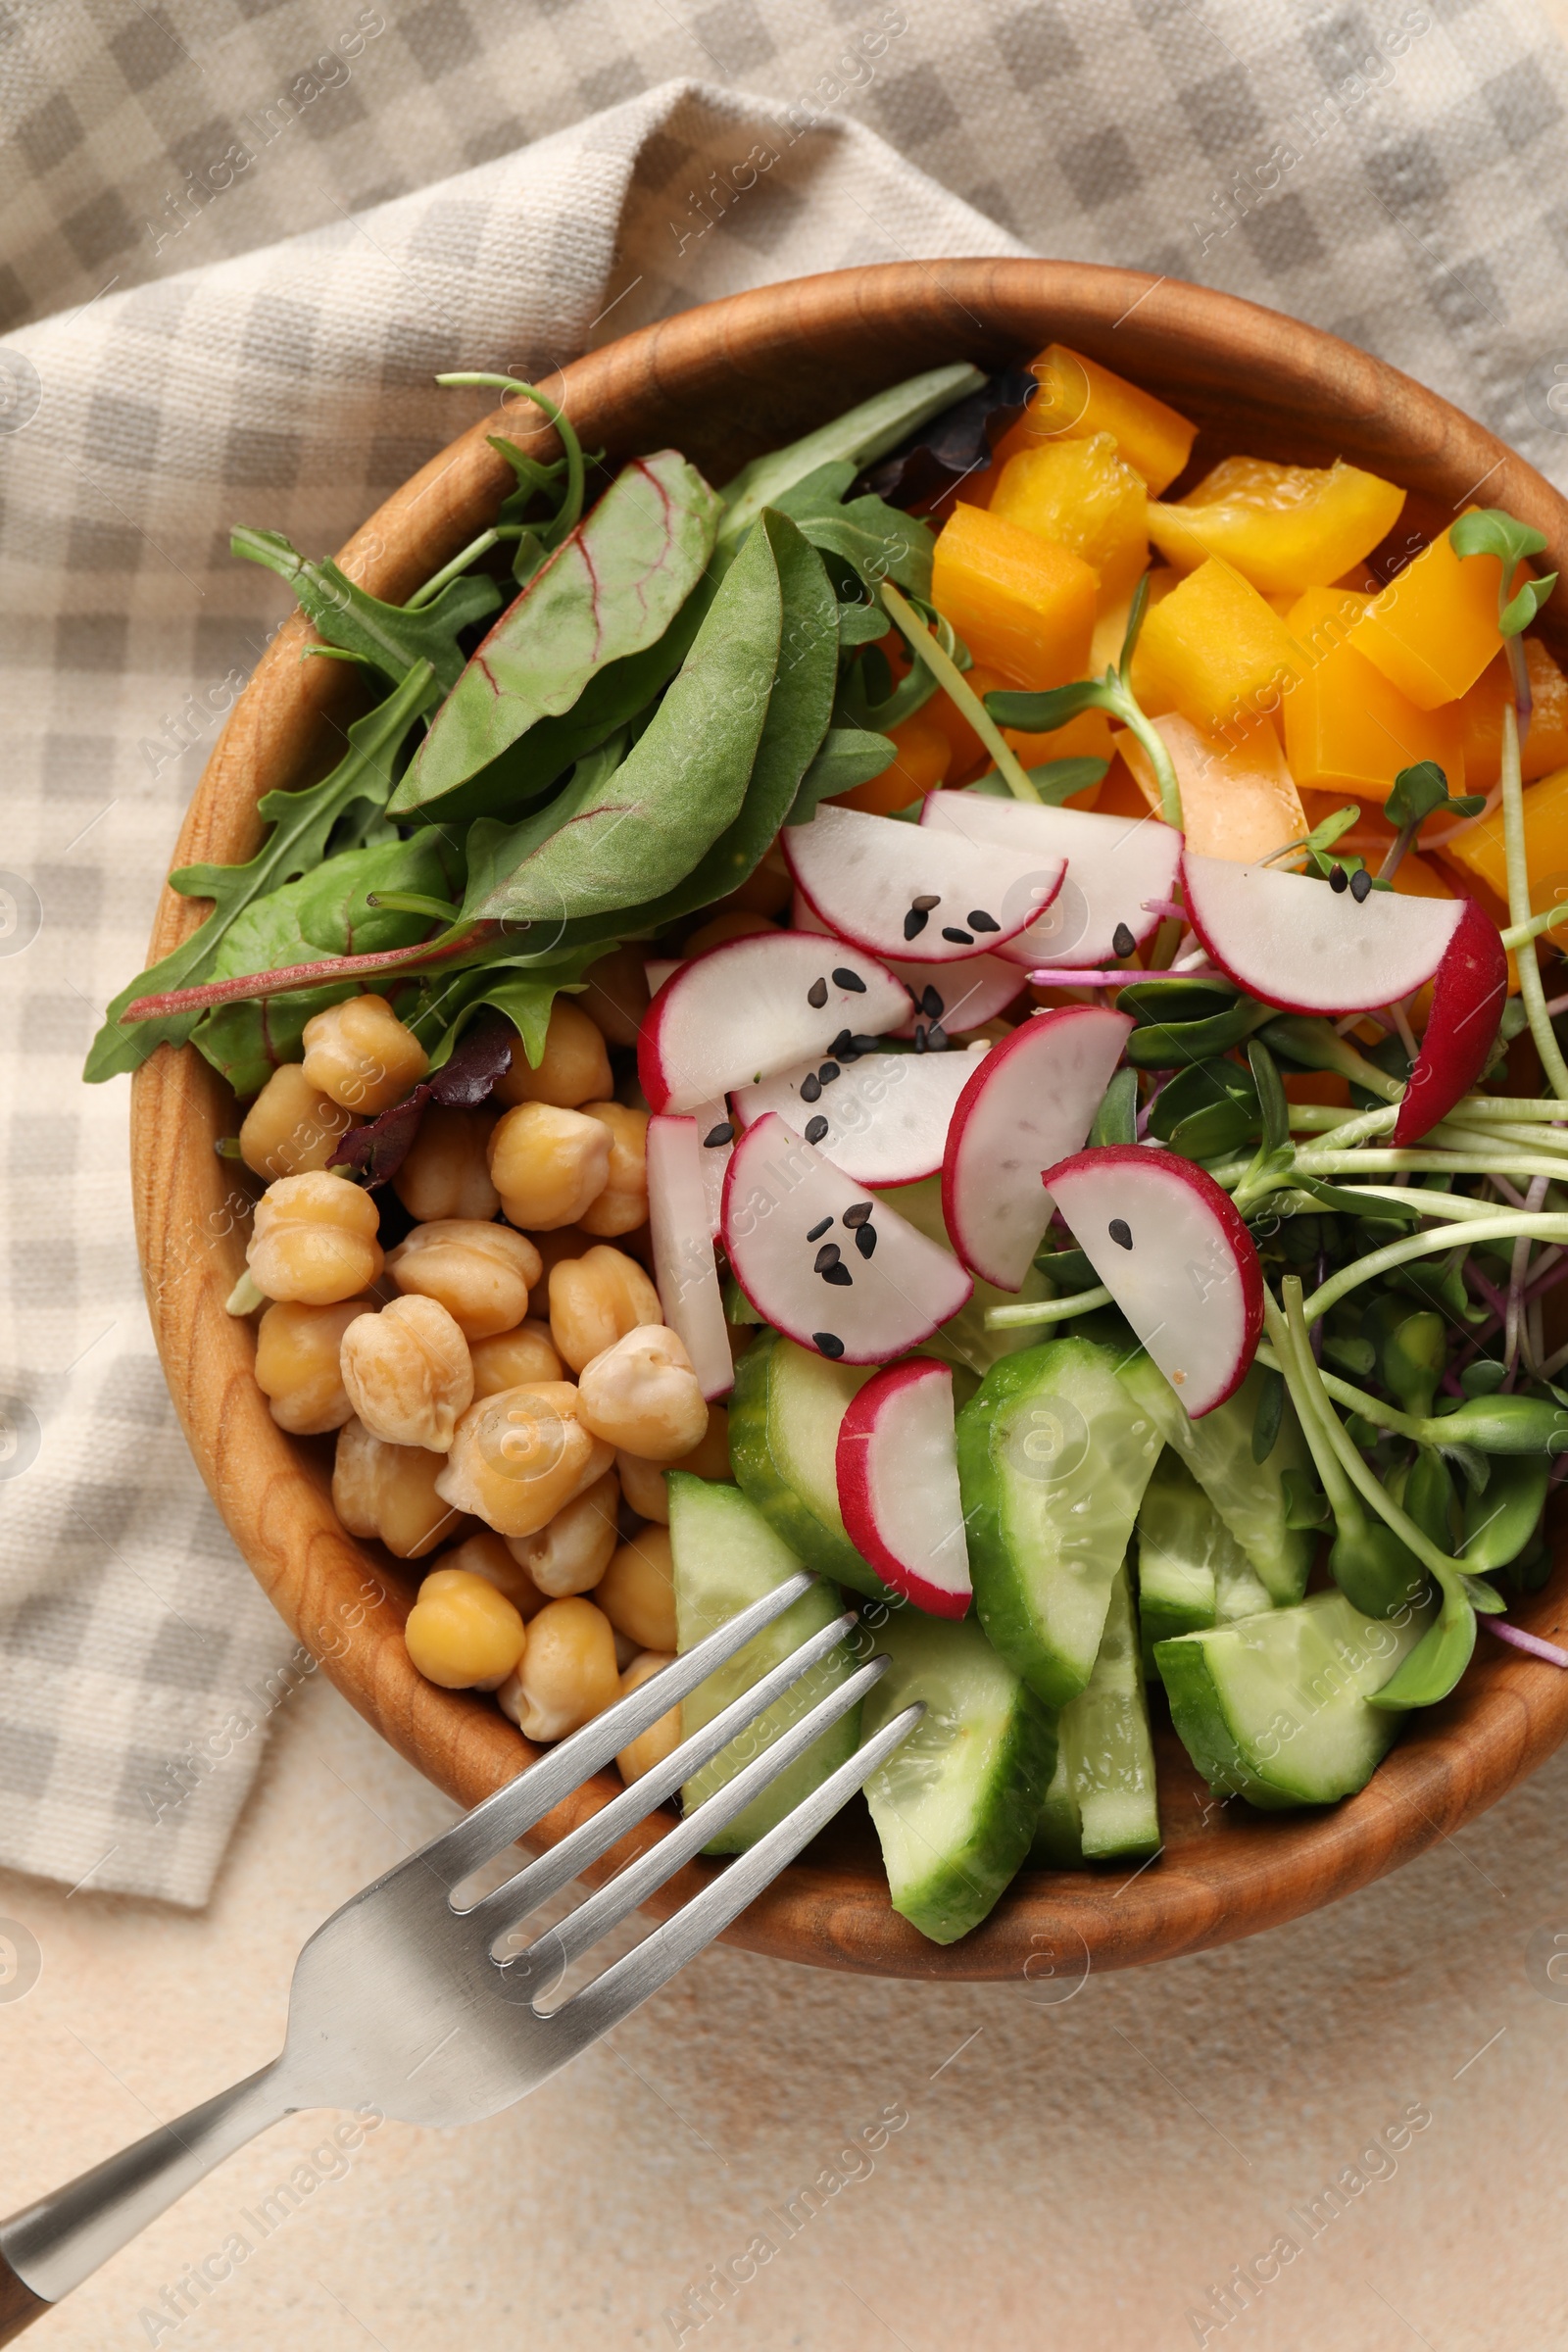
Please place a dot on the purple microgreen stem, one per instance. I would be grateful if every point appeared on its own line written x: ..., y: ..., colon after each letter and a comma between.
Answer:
x: 1531, y: 1643
x: 1168, y: 909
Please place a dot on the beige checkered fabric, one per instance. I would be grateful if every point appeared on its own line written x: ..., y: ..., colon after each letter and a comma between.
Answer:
x: 239, y: 238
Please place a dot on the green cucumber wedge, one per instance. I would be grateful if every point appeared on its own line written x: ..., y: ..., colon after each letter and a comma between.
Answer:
x: 1274, y: 1708
x: 1101, y: 1804
x: 1248, y: 1496
x: 784, y: 1417
x: 1058, y: 1839
x: 1055, y: 1452
x: 725, y: 1556
x: 956, y: 1804
x: 1192, y: 1573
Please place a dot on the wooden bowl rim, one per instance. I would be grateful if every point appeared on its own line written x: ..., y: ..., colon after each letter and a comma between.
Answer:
x: 867, y: 327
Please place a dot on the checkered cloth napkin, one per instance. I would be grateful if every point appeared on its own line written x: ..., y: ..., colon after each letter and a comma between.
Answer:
x: 239, y: 238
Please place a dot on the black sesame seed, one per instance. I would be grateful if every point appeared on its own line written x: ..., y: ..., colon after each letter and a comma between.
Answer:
x: 856, y: 1215
x: 1361, y: 887
x: 932, y: 1004
x: 1122, y: 940
x: 845, y: 978
x: 839, y: 1276
x: 959, y: 938
x: 979, y: 921
x: 818, y: 1229
x: 841, y: 1044
x: 864, y: 1045
x: 1121, y: 1233
x: 810, y: 1088
x: 827, y: 1342
x: 936, y: 1038
x: 865, y: 1239
x: 1338, y: 879
x: 817, y: 994
x: 914, y: 923
x: 927, y: 900
x: 828, y: 1255
x: 919, y: 1037
x: 816, y: 1129
x: 723, y: 1133
x: 827, y: 1073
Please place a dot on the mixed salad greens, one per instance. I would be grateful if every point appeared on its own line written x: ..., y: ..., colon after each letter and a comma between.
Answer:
x: 1129, y: 1257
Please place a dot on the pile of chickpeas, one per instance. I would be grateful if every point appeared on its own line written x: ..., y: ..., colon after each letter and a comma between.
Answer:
x: 532, y: 1443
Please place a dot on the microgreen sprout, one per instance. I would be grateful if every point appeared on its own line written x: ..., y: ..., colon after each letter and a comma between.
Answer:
x: 1494, y: 532
x: 1418, y: 793
x: 925, y: 642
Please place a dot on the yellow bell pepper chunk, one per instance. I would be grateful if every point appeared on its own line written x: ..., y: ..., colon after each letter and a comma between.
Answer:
x: 1434, y: 629
x: 1078, y: 398
x: 1545, y: 747
x: 1021, y: 604
x: 1238, y: 800
x: 1347, y: 729
x: 920, y: 763
x: 1282, y: 526
x: 1082, y: 495
x: 1479, y: 849
x: 1216, y: 651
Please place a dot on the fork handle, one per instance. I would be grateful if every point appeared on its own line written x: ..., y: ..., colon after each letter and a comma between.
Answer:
x: 51, y: 2245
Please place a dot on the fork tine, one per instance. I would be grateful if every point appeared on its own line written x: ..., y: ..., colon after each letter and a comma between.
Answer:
x: 597, y: 1913
x: 513, y: 1809
x: 628, y: 1981
x: 537, y: 1880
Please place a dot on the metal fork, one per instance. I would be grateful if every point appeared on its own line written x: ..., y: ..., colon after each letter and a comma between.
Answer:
x: 399, y: 2000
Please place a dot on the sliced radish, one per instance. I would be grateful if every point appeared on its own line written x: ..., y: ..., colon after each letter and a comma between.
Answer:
x: 1290, y: 939
x: 885, y: 884
x: 1113, y: 865
x: 1030, y: 1103
x: 716, y: 1138
x: 657, y: 971
x: 754, y: 1005
x: 882, y: 1118
x: 823, y: 1262
x: 951, y: 997
x: 898, y: 1474
x: 1169, y: 1247
x: 1468, y: 997
x: 685, y: 1267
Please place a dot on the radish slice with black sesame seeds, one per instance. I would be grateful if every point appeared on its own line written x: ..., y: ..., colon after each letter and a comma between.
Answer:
x: 1031, y: 1103
x: 883, y: 1118
x: 898, y: 1480
x: 824, y: 1263
x: 1290, y: 939
x: 685, y: 1268
x: 752, y: 1006
x: 948, y: 998
x: 885, y: 885
x: 1114, y: 864
x: 1174, y: 1254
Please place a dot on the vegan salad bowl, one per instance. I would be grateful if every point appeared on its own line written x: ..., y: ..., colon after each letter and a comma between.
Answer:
x: 908, y: 933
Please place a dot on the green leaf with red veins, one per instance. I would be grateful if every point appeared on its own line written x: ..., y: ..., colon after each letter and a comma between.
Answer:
x: 609, y: 590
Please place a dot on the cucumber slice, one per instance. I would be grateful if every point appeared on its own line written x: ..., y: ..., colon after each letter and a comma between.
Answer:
x: 1058, y: 1839
x: 1274, y: 1708
x: 964, y: 1340
x: 1248, y: 1496
x: 1101, y: 1800
x: 784, y: 1416
x: 1053, y: 1456
x: 956, y: 1804
x: 1192, y: 1573
x: 726, y: 1555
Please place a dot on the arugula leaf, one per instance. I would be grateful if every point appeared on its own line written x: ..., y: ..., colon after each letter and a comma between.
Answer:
x: 872, y: 538
x: 386, y: 638
x: 1494, y: 532
x: 863, y: 433
x: 302, y: 824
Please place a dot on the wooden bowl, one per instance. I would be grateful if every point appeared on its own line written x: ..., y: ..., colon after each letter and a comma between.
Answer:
x: 723, y: 383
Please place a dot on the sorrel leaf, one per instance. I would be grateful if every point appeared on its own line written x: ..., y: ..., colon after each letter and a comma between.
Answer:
x: 861, y: 434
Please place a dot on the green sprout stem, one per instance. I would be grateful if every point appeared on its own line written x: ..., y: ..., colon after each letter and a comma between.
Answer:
x: 1517, y: 853
x: 459, y: 563
x: 570, y: 508
x: 1048, y: 1310
x: 1502, y: 1227
x: 1336, y: 1485
x: 923, y: 643
x: 1357, y: 1401
x: 1518, y: 934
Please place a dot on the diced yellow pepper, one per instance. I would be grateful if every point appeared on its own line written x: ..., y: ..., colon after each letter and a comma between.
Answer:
x: 1479, y: 849
x: 1282, y: 526
x: 1089, y: 736
x: 1216, y: 651
x: 918, y: 765
x: 1078, y: 398
x: 1023, y: 605
x: 1238, y: 800
x: 1082, y: 495
x: 1545, y: 747
x: 1434, y: 629
x: 1347, y: 729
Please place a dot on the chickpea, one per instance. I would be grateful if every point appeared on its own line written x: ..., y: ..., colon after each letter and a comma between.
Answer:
x: 595, y: 1300
x: 615, y: 995
x: 360, y: 1054
x: 487, y: 1554
x: 643, y: 1397
x: 520, y: 1457
x: 622, y: 1206
x: 547, y: 1165
x: 407, y: 1374
x: 297, y: 1365
x: 390, y: 1491
x: 291, y: 1128
x: 480, y: 1273
x: 445, y: 1173
x: 573, y: 1552
x: 568, y: 1673
x: 514, y: 1359
x: 314, y: 1240
x: 463, y: 1633
x: 662, y: 1738
x: 637, y: 1591
x: 643, y: 1483
x: 574, y: 1067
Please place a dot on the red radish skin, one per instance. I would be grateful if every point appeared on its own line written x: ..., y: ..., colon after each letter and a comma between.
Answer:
x: 1115, y: 865
x: 897, y: 1477
x: 888, y: 887
x: 1468, y: 997
x: 1032, y: 1100
x: 1290, y: 941
x: 1192, y: 1291
x: 745, y: 1009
